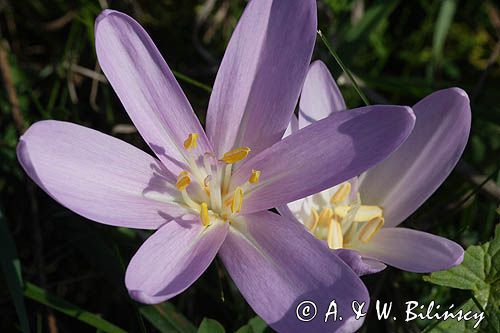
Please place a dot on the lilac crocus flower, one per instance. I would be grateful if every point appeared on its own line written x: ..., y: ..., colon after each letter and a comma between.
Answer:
x: 358, y: 218
x: 208, y: 192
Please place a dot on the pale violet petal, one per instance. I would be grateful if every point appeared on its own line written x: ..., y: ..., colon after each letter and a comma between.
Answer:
x: 97, y: 176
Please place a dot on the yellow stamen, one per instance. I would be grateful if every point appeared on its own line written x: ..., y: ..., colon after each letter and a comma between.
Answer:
x: 254, y: 178
x: 183, y: 180
x: 335, y: 238
x: 205, y: 219
x: 370, y: 229
x: 235, y: 155
x: 237, y: 200
x: 325, y: 216
x: 364, y: 213
x: 341, y: 193
x: 191, y: 141
x: 315, y: 220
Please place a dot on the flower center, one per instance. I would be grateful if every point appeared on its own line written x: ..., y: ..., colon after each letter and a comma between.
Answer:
x: 343, y: 222
x: 205, y: 186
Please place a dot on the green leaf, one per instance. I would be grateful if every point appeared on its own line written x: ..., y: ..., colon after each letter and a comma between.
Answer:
x: 255, y: 325
x: 11, y: 268
x: 479, y: 273
x: 443, y: 23
x: 210, y: 326
x: 41, y: 296
x: 166, y: 318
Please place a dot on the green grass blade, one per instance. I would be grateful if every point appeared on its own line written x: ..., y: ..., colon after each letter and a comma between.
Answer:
x: 11, y: 268
x: 166, y: 319
x: 375, y: 15
x: 443, y: 23
x: 344, y: 68
x: 191, y: 81
x: 41, y: 296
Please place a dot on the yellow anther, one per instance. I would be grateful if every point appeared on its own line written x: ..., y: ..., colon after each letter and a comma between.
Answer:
x: 237, y: 200
x: 370, y: 229
x: 325, y: 216
x: 364, y: 213
x: 341, y: 211
x: 191, y: 141
x: 235, y: 155
x: 183, y: 180
x: 254, y: 178
x: 367, y: 213
x: 335, y: 238
x: 341, y: 194
x: 205, y: 219
x: 312, y: 224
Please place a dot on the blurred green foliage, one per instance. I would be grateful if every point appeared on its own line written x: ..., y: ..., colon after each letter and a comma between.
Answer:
x: 399, y: 51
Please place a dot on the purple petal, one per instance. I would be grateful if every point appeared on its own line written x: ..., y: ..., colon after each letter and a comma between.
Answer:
x: 360, y: 266
x: 320, y: 95
x: 261, y: 75
x: 285, y: 211
x: 293, y: 126
x: 324, y: 154
x: 146, y: 87
x: 277, y: 264
x: 408, y: 177
x: 172, y: 259
x: 97, y: 176
x: 412, y: 250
